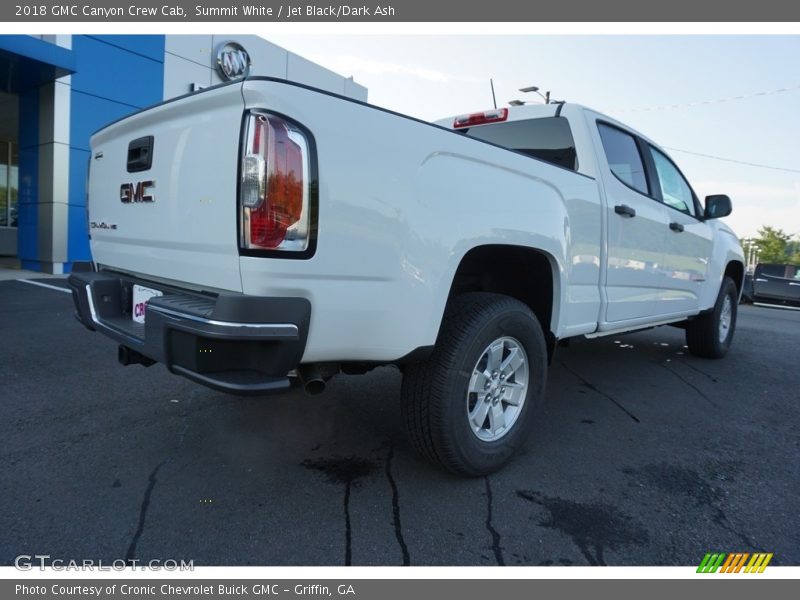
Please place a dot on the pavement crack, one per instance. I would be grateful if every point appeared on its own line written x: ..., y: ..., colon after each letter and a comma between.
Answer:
x: 700, y: 392
x: 398, y: 528
x: 130, y: 555
x: 349, y: 471
x: 496, y: 547
x: 348, y: 528
x: 703, y: 373
x: 151, y: 483
x: 595, y: 389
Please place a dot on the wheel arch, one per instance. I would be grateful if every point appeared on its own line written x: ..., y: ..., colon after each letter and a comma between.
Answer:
x: 528, y: 274
x: 735, y: 270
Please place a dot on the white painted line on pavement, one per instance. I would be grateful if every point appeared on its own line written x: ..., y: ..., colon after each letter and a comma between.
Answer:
x: 45, y: 285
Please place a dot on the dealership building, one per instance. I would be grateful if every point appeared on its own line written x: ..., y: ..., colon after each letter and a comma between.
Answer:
x: 56, y: 90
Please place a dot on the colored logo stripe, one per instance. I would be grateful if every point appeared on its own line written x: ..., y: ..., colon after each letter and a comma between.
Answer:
x: 758, y: 563
x: 733, y: 562
x: 711, y: 563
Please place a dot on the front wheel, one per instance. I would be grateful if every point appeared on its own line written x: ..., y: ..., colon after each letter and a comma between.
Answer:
x: 710, y: 335
x: 470, y: 406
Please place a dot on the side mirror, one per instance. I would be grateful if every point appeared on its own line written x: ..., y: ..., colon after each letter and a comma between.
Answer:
x: 718, y: 206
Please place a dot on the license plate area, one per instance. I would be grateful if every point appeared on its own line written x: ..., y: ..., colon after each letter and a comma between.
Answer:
x: 139, y: 297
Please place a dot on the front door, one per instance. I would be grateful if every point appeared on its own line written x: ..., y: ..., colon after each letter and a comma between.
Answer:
x: 689, y: 242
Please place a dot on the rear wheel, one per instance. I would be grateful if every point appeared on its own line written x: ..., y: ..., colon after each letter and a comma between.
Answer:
x: 710, y: 335
x: 470, y: 406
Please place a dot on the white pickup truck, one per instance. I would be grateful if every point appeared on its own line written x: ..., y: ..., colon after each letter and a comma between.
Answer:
x: 263, y: 233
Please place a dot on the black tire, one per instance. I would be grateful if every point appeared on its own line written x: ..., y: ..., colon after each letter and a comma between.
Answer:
x: 703, y: 336
x: 435, y: 402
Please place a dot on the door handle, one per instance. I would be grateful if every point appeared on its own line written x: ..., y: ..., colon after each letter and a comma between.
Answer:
x: 676, y: 227
x: 759, y: 280
x: 624, y: 210
x: 793, y: 283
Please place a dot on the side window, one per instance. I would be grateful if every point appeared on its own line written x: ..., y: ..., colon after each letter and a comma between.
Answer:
x: 771, y: 270
x: 675, y: 192
x: 623, y: 157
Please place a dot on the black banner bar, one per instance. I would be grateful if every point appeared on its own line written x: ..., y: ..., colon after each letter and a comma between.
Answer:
x: 401, y: 11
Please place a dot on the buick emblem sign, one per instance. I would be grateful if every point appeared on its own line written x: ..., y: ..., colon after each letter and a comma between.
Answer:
x: 233, y: 61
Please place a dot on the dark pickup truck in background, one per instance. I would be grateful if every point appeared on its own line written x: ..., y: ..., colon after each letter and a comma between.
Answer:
x: 773, y: 284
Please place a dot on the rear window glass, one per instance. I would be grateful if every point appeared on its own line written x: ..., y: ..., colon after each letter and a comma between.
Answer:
x: 548, y: 139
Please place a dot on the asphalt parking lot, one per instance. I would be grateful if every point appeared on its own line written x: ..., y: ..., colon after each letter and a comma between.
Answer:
x: 643, y: 456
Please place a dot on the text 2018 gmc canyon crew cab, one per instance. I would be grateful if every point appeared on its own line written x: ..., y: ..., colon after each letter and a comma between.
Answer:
x: 263, y: 232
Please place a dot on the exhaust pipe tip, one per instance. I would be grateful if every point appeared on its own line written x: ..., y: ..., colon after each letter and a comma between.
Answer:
x: 314, y: 387
x: 311, y: 379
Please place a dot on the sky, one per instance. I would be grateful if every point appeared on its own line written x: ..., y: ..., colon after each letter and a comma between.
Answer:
x: 679, y: 90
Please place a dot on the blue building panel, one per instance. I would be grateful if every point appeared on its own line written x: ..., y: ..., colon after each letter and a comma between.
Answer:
x: 114, y: 73
x: 113, y: 76
x: 149, y: 46
x: 89, y: 113
x: 29, y: 119
x: 27, y: 62
x: 78, y: 238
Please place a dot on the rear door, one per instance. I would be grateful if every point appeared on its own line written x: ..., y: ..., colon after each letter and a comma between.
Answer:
x: 793, y: 283
x: 637, y: 227
x: 163, y: 191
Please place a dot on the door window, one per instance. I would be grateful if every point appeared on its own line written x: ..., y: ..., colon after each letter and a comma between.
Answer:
x: 623, y: 157
x: 782, y: 271
x: 675, y: 192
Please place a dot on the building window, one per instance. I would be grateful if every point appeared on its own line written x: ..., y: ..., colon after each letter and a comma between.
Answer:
x: 9, y: 184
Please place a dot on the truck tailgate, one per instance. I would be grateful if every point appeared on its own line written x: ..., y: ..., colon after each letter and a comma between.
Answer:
x: 174, y: 219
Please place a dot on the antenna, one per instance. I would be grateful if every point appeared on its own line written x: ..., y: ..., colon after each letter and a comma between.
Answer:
x: 494, y: 100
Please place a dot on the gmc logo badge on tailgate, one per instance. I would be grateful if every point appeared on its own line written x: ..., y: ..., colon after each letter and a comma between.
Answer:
x: 141, y: 191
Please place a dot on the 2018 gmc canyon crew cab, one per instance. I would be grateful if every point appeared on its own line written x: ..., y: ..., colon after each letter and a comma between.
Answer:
x: 262, y: 232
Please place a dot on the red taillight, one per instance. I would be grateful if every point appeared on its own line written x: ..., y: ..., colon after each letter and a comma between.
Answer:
x: 482, y: 118
x: 274, y: 190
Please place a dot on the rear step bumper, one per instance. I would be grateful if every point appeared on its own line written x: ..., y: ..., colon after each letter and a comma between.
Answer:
x: 230, y: 342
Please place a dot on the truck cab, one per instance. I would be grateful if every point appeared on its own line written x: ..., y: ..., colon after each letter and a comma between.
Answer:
x: 661, y: 245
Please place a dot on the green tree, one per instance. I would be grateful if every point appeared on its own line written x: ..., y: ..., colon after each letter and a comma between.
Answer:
x: 774, y: 245
x: 793, y: 250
